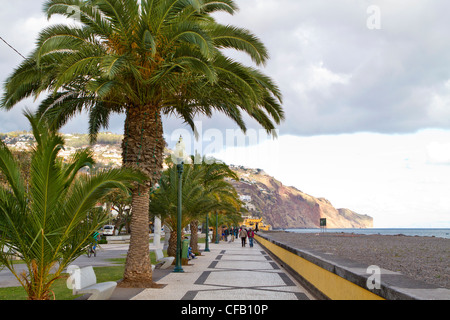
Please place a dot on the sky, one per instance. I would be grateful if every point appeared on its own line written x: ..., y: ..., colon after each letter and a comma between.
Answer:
x: 366, y: 93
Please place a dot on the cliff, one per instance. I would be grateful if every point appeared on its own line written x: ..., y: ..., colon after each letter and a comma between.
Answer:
x: 287, y: 207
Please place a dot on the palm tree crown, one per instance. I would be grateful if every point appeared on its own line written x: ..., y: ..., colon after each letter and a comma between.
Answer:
x: 204, y: 190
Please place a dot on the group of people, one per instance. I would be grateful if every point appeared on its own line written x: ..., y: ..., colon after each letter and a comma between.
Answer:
x: 241, y: 232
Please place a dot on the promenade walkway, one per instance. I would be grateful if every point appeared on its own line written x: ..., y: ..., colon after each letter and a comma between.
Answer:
x: 227, y: 272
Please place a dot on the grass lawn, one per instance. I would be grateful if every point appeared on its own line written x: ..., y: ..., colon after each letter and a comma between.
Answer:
x: 60, y: 287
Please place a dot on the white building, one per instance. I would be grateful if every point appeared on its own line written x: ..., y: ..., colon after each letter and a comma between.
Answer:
x: 245, y: 198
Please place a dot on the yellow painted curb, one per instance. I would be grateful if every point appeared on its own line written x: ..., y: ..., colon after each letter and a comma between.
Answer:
x: 330, y: 284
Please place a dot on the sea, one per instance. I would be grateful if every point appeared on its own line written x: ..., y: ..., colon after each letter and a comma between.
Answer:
x: 426, y: 232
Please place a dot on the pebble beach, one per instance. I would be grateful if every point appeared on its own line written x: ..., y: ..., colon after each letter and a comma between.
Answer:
x: 425, y: 259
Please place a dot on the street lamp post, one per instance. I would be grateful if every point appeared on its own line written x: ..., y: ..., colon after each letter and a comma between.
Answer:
x: 207, y: 234
x: 180, y: 158
x: 217, y: 227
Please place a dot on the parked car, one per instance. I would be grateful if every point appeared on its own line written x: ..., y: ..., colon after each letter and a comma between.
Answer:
x: 108, y: 230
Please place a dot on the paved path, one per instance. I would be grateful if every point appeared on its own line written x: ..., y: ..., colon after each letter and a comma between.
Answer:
x: 228, y: 272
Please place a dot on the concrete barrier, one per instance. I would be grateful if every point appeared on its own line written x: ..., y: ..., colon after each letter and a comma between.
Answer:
x: 118, y: 239
x: 334, y: 278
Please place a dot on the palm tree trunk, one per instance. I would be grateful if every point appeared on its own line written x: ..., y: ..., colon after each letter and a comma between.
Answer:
x: 138, y: 271
x: 194, y: 237
x: 172, y: 249
x: 142, y: 148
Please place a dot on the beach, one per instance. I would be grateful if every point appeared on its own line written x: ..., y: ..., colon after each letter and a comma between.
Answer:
x: 425, y: 259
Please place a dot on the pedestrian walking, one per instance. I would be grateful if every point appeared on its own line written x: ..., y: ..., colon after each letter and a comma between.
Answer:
x: 250, y: 235
x: 232, y: 234
x: 243, y: 236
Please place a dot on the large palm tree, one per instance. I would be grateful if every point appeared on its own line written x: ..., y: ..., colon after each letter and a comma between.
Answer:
x: 50, y: 225
x: 145, y: 59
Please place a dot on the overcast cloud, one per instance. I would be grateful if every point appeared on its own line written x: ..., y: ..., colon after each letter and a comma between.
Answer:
x: 336, y: 74
x: 354, y: 96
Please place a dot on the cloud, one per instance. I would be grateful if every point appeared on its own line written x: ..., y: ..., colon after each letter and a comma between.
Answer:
x: 336, y: 74
x: 439, y: 152
x: 392, y: 75
x: 20, y: 23
x: 400, y: 180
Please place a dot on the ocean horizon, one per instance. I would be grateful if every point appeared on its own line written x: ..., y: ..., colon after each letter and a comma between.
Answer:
x: 420, y: 232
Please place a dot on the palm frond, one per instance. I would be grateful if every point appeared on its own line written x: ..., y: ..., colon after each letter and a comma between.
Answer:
x: 53, y: 221
x: 10, y: 169
x: 229, y: 37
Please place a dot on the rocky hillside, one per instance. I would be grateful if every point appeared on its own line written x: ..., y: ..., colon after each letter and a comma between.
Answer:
x: 287, y: 207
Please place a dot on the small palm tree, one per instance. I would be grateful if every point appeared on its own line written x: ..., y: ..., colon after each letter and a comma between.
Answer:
x: 50, y: 225
x: 164, y: 201
x: 221, y: 193
x: 203, y: 190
